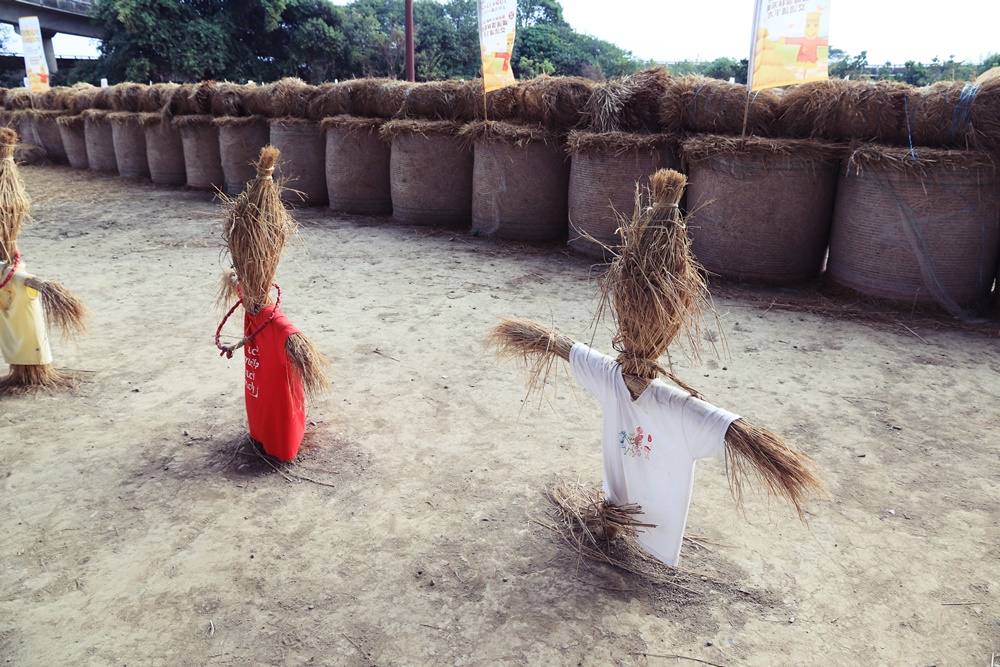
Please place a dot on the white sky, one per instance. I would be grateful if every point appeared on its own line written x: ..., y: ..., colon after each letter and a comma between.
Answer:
x: 671, y: 30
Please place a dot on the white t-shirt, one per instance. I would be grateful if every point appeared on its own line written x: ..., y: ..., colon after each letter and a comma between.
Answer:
x: 23, y: 339
x: 650, y: 445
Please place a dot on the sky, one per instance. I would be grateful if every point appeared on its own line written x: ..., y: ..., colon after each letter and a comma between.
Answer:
x: 673, y: 30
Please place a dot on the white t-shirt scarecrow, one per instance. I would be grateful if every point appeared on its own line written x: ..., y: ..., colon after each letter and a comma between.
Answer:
x: 650, y: 445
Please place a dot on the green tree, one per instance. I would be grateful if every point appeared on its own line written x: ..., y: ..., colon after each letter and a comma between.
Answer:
x: 915, y: 74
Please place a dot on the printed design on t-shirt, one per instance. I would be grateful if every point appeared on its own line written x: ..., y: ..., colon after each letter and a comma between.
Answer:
x: 635, y: 445
x: 252, y: 364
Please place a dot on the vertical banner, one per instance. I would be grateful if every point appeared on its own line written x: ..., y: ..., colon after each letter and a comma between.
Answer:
x: 34, y: 53
x: 790, y: 44
x: 496, y: 42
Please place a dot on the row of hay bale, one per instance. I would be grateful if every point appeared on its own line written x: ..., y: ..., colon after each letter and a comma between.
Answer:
x: 909, y: 223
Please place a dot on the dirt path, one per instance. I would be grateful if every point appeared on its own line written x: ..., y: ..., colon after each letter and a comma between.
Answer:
x: 136, y: 532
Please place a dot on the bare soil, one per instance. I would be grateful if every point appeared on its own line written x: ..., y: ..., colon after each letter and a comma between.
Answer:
x: 139, y: 528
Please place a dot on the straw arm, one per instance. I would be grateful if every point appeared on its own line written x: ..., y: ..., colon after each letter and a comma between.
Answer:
x: 308, y: 364
x: 517, y: 338
x: 64, y: 310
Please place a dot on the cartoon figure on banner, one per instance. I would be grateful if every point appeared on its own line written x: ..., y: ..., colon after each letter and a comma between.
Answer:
x: 809, y: 45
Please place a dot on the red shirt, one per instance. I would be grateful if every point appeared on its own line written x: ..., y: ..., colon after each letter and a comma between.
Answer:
x: 275, y: 400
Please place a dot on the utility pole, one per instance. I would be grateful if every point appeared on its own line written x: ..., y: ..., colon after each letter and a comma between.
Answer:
x: 410, y: 70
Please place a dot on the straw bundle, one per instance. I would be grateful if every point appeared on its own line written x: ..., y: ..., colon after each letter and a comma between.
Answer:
x: 126, y: 96
x: 594, y: 519
x: 844, y: 110
x: 441, y: 100
x: 80, y: 97
x: 101, y: 99
x: 558, y: 103
x: 502, y: 104
x: 157, y: 97
x: 752, y: 453
x: 331, y: 99
x: 984, y: 113
x: 14, y: 200
x: 18, y: 99
x: 3, y: 96
x: 256, y: 228
x: 700, y: 104
x: 629, y: 104
x: 23, y: 379
x: 290, y: 97
x: 53, y: 99
x: 377, y: 98
x: 308, y: 363
x: 64, y: 310
x: 226, y: 99
x: 654, y: 287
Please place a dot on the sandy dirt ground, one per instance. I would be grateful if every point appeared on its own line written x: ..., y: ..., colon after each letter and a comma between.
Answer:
x: 412, y: 529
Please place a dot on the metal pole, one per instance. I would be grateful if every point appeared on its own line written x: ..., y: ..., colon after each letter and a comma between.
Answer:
x: 410, y: 70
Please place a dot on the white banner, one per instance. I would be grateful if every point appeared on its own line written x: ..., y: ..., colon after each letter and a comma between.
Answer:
x: 496, y: 42
x: 34, y: 53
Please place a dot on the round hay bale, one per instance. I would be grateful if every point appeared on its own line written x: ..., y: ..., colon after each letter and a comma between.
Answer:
x: 302, y: 167
x: 556, y: 103
x: 290, y: 97
x: 984, y: 114
x: 430, y: 172
x: 699, y: 104
x: 331, y: 99
x: 155, y: 98
x: 924, y: 230
x: 79, y: 97
x: 227, y: 100
x: 74, y: 140
x: 520, y: 182
x: 377, y: 98
x: 126, y: 97
x: 357, y: 165
x: 240, y: 141
x: 164, y: 150
x: 441, y: 100
x: 844, y: 110
x: 100, y: 141
x: 760, y: 208
x: 18, y: 99
x: 130, y: 144
x: 605, y: 169
x: 45, y: 128
x: 202, y: 159
x: 629, y: 104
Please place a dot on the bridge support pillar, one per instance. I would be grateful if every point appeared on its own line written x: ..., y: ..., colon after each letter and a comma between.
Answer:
x: 50, y: 54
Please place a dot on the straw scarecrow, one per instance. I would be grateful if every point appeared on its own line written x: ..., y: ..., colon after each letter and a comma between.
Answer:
x: 282, y: 364
x: 653, y: 433
x: 28, y: 303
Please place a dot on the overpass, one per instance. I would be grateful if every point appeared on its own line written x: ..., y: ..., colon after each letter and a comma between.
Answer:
x: 71, y: 17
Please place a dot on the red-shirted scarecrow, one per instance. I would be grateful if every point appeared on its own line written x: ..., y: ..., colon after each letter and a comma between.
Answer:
x: 281, y: 364
x: 27, y: 303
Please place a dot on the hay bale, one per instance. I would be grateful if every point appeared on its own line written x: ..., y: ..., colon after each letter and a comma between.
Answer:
x: 711, y: 106
x: 377, y: 98
x: 157, y: 97
x: 202, y: 159
x: 520, y: 182
x: 556, y: 103
x: 430, y: 172
x: 240, y: 141
x: 761, y: 208
x: 164, y: 150
x: 984, y: 115
x: 226, y: 99
x: 18, y: 99
x: 74, y: 140
x: 46, y: 130
x: 126, y: 97
x: 290, y: 97
x: 839, y: 110
x: 331, y: 99
x: 130, y: 144
x: 629, y: 104
x: 504, y: 104
x: 605, y: 169
x: 357, y: 165
x: 53, y: 99
x: 302, y: 168
x: 922, y: 230
x: 100, y: 141
x: 441, y: 100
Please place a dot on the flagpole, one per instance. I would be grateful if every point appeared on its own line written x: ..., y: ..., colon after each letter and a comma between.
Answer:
x: 410, y: 69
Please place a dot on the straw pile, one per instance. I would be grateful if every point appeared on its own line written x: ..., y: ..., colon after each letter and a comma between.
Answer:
x: 157, y: 97
x: 18, y: 99
x: 503, y: 104
x: 700, y: 104
x: 331, y: 99
x: 654, y: 288
x: 289, y: 97
x: 984, y: 114
x: 126, y: 97
x: 629, y: 104
x: 227, y: 99
x: 377, y: 98
x: 557, y: 103
x: 840, y: 110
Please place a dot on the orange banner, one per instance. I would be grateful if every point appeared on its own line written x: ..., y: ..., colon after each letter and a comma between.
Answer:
x: 790, y: 44
x: 496, y: 42
x: 34, y: 53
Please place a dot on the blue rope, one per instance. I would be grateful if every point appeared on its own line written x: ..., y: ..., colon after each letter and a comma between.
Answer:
x: 909, y: 133
x: 960, y: 119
